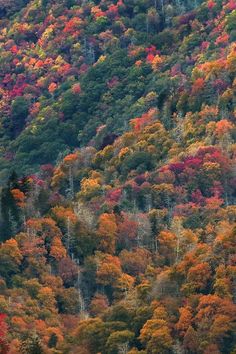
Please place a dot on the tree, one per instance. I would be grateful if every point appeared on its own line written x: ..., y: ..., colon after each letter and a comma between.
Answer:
x: 118, y: 342
x: 126, y: 231
x: 57, y: 249
x: 99, y: 304
x: 107, y: 231
x: 92, y: 334
x: 68, y: 271
x: 156, y: 333
x: 135, y: 262
x: 184, y: 321
x: 46, y: 299
x: 218, y: 315
x: 9, y: 7
x: 198, y: 277
x: 10, y: 259
x: 31, y: 345
x: 52, y: 341
x: 191, y: 343
x: 223, y: 282
x: 160, y: 342
x: 109, y: 270
x: 3, y: 335
x: 10, y: 211
x: 19, y: 113
x: 68, y: 301
x: 222, y: 131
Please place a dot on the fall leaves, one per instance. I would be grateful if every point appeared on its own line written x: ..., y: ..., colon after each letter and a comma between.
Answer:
x: 127, y: 245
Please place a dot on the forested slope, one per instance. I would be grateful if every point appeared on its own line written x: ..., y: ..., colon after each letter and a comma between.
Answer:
x: 118, y: 225
x: 67, y: 69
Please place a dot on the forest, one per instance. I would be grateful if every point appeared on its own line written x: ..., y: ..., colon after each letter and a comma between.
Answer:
x: 117, y: 177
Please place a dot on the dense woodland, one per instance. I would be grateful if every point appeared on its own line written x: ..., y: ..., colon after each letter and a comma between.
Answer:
x: 118, y: 175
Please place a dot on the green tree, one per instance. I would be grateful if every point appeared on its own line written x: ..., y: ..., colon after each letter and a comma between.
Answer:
x: 19, y: 113
x: 31, y: 345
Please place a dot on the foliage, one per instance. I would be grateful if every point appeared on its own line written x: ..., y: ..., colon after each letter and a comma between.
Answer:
x: 118, y: 235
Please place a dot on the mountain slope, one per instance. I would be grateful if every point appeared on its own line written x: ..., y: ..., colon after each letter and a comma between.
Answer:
x: 121, y: 236
x: 66, y: 71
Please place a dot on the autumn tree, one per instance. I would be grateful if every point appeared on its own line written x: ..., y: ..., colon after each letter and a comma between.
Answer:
x: 107, y: 231
x: 3, y: 335
x: 10, y: 259
x: 156, y: 334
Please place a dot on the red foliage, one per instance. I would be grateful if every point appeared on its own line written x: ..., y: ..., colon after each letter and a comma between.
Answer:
x: 177, y: 167
x: 150, y: 58
x: 18, y: 90
x: 197, y: 197
x: 151, y: 50
x: 114, y: 195
x: 47, y: 169
x: 112, y: 11
x: 205, y: 45
x: 3, y: 326
x: 64, y: 69
x: 72, y: 25
x: 222, y: 39
x: 127, y: 230
x: 146, y: 118
x: 211, y: 4
x: 231, y: 5
x: 192, y: 162
x: 14, y: 49
x: 3, y: 334
x: 67, y: 270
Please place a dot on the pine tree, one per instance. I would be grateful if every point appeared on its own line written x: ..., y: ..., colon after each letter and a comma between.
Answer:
x: 10, y: 212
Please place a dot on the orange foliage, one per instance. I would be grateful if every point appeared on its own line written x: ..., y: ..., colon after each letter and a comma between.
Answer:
x: 19, y: 197
x: 198, y: 85
x: 138, y: 63
x: 10, y: 248
x: 45, y: 227
x: 156, y: 62
x: 58, y: 251
x: 107, y: 230
x: 71, y: 158
x: 109, y: 270
x: 223, y: 126
x: 184, y: 321
x: 64, y: 214
x: 199, y: 275
x: 52, y: 87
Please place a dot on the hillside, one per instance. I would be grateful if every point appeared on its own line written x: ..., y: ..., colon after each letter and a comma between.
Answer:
x: 117, y: 165
x: 68, y: 69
